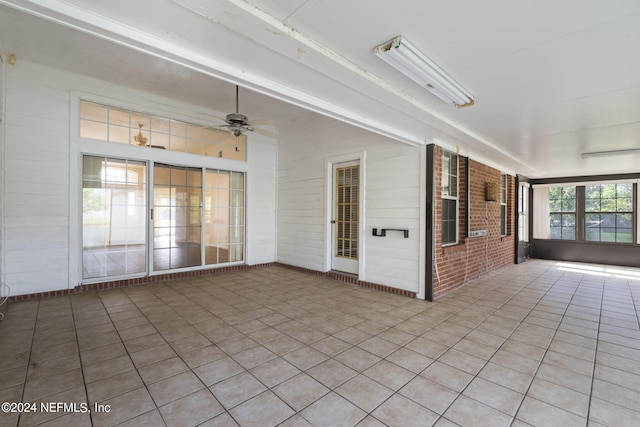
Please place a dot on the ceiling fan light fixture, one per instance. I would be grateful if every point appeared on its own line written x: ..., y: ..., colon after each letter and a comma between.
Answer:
x: 140, y: 139
x: 237, y: 124
x: 406, y: 58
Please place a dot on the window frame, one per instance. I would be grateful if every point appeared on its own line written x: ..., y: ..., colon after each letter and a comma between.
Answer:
x: 615, y: 213
x: 504, y: 197
x: 541, y: 203
x: 564, y: 212
x: 446, y: 195
x: 121, y: 125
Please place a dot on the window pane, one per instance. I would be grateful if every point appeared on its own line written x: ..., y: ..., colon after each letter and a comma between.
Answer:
x: 121, y: 126
x: 607, y: 234
x: 160, y: 124
x: 562, y: 217
x: 450, y: 191
x: 159, y: 140
x: 624, y: 205
x: 119, y: 117
x: 449, y: 175
x: 568, y: 233
x: 568, y: 220
x: 224, y: 217
x: 592, y: 191
x: 613, y: 221
x: 624, y: 236
x: 177, y: 222
x: 119, y: 134
x: 569, y: 192
x: 555, y: 205
x: 555, y: 192
x: 625, y: 190
x: 138, y: 119
x: 94, y: 112
x: 592, y: 205
x: 93, y: 130
x: 568, y: 205
x: 592, y: 234
x: 624, y: 221
x: 449, y: 221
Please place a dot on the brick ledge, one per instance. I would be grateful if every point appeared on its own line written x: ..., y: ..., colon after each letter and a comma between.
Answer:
x: 342, y: 277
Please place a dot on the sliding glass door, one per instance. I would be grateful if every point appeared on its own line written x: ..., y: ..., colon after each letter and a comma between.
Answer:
x: 224, y: 216
x: 197, y: 217
x: 114, y: 212
x: 177, y: 222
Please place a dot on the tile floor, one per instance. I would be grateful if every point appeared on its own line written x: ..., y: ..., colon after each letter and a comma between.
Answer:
x: 539, y: 344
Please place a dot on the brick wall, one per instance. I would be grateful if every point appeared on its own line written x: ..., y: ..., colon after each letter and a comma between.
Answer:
x: 455, y: 265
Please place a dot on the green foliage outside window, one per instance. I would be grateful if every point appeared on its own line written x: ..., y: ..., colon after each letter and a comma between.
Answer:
x: 609, y: 212
x: 562, y: 213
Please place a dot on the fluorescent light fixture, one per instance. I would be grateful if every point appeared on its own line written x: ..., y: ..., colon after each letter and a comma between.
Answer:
x: 610, y: 153
x: 404, y: 57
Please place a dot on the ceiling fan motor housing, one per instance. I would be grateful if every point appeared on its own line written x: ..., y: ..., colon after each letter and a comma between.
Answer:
x: 238, y: 118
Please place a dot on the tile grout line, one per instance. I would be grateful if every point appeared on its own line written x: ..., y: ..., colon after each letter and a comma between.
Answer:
x: 135, y: 367
x: 461, y: 309
x: 75, y: 331
x: 595, y: 355
x: 513, y: 417
x: 26, y: 372
x: 548, y: 347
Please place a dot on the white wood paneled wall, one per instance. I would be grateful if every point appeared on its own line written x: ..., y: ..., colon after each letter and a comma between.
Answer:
x: 36, y: 181
x: 40, y: 190
x: 392, y: 199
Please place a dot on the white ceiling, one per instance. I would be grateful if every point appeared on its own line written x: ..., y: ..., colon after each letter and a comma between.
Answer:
x: 552, y: 79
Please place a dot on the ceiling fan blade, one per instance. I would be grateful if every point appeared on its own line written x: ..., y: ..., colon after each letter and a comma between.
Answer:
x: 260, y: 122
x: 268, y: 134
x: 215, y: 117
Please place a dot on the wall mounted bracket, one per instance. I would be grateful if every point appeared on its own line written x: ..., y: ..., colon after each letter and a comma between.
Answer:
x: 383, y: 232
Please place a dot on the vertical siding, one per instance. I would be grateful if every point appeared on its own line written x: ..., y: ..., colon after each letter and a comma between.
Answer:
x: 392, y: 199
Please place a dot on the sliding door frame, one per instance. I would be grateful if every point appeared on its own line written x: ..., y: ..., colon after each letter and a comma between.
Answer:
x: 150, y: 156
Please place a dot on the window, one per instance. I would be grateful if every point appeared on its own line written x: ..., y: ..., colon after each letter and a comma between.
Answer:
x: 605, y: 212
x: 122, y: 126
x: 562, y: 213
x: 503, y: 205
x: 609, y: 212
x: 449, y: 198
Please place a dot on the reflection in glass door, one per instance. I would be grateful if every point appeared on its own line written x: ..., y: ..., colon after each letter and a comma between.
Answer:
x: 346, y: 208
x: 177, y: 224
x: 114, y: 212
x: 224, y: 217
x: 118, y: 236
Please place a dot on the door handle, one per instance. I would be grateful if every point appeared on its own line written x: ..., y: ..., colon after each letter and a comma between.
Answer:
x: 333, y: 221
